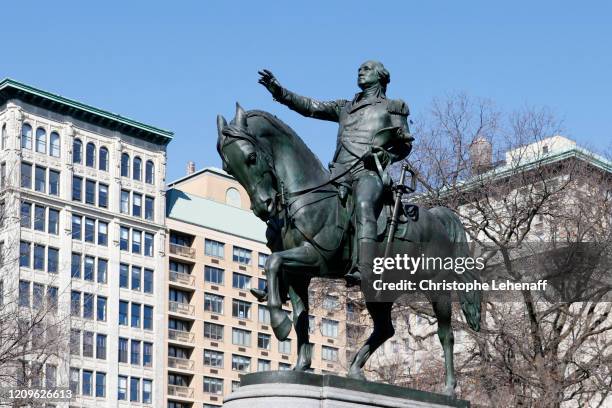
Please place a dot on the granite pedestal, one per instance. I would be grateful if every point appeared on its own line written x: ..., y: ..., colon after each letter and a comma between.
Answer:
x: 290, y: 389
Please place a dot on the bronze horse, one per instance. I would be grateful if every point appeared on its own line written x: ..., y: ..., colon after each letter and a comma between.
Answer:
x: 308, y: 237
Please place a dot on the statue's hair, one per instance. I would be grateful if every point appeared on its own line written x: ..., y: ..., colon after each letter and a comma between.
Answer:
x: 384, y: 77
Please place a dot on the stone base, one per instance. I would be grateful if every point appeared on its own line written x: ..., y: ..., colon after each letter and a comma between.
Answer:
x: 290, y: 389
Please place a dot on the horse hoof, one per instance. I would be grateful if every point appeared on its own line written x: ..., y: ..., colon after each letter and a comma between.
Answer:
x: 260, y: 295
x: 450, y: 391
x: 283, y: 329
x: 356, y: 375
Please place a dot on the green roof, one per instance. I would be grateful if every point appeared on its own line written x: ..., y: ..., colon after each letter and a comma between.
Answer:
x: 214, y: 215
x: 10, y: 89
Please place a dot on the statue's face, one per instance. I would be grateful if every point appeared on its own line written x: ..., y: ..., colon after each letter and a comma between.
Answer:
x: 367, y: 75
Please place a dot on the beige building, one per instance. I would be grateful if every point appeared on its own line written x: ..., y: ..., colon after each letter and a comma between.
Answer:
x: 83, y: 240
x: 216, y: 328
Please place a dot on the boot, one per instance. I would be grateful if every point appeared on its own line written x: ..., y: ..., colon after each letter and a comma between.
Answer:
x: 363, y: 270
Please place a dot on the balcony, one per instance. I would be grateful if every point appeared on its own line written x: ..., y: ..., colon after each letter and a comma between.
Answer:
x: 180, y: 391
x: 182, y: 308
x: 180, y: 363
x: 181, y: 250
x: 183, y: 336
x: 182, y: 278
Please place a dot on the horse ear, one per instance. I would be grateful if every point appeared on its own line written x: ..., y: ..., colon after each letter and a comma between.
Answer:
x: 241, y: 117
x: 221, y: 123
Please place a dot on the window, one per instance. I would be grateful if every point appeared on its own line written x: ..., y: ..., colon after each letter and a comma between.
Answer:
x: 39, y: 218
x: 40, y: 179
x: 213, y: 303
x: 26, y: 136
x: 51, y: 297
x: 148, y: 318
x: 241, y: 337
x: 101, y: 346
x: 284, y: 347
x: 214, y: 248
x: 125, y: 165
x: 213, y: 385
x: 213, y: 275
x: 137, y: 173
x: 148, y: 244
x: 149, y: 208
x: 76, y: 227
x: 75, y: 303
x: 88, y: 273
x: 136, y: 241
x: 90, y: 155
x: 103, y: 159
x: 261, y: 284
x: 241, y: 281
x: 136, y: 277
x: 75, y: 381
x: 150, y: 172
x: 100, y: 384
x: 77, y: 188
x: 241, y: 309
x: 147, y: 286
x: 87, y: 382
x: 242, y: 255
x: 147, y: 391
x: 134, y: 389
x: 232, y: 197
x: 24, y: 254
x: 38, y: 290
x: 102, y: 270
x: 75, y: 267
x: 53, y: 225
x: 90, y: 229
x: 179, y: 267
x: 90, y: 192
x: 263, y: 341
x: 147, y: 354
x: 241, y: 363
x: 264, y: 365
x: 123, y: 350
x: 330, y: 302
x: 50, y: 376
x: 137, y: 205
x: 179, y: 352
x: 124, y: 238
x: 101, y: 309
x: 54, y: 182
x: 102, y: 195
x: 122, y: 388
x: 41, y: 140
x: 135, y: 352
x: 329, y: 353
x: 77, y: 151
x: 88, y: 344
x: 124, y: 204
x: 4, y: 137
x: 52, y: 260
x: 264, y: 314
x: 284, y: 367
x: 124, y: 272
x: 26, y: 175
x: 123, y: 313
x: 54, y: 146
x: 262, y: 259
x: 213, y: 358
x: 26, y: 215
x: 235, y: 385
x: 212, y: 331
x: 75, y: 342
x: 88, y: 305
x: 135, y: 313
x: 329, y: 328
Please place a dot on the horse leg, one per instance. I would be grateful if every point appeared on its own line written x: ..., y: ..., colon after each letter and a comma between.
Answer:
x: 383, y: 330
x: 443, y: 309
x: 302, y: 256
x: 298, y: 294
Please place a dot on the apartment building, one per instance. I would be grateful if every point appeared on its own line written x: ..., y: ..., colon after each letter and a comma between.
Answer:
x: 83, y: 194
x: 216, y: 328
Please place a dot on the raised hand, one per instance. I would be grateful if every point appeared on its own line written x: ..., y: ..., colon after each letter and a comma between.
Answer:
x: 268, y: 80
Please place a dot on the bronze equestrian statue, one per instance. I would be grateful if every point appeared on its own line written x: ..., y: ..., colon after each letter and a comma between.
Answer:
x: 317, y: 221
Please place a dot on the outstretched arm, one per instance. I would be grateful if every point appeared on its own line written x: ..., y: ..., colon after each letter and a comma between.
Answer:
x: 301, y: 104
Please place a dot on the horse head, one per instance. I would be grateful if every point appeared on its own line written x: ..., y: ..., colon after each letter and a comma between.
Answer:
x: 247, y: 157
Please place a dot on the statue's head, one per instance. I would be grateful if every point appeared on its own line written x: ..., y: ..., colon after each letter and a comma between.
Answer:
x: 372, y: 73
x: 245, y: 158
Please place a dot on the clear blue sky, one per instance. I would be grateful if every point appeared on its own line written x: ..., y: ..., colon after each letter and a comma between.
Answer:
x: 176, y: 65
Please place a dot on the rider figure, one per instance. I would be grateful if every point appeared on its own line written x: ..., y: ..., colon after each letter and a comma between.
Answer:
x: 359, y: 119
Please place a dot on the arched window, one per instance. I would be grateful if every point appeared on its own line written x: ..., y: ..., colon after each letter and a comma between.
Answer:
x: 4, y: 136
x: 150, y: 172
x: 54, y: 144
x: 232, y: 197
x: 41, y: 140
x: 90, y: 155
x: 103, y: 160
x: 137, y: 169
x: 77, y: 151
x: 26, y: 136
x: 125, y: 165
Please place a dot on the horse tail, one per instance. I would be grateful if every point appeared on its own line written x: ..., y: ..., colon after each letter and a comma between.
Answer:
x: 470, y: 301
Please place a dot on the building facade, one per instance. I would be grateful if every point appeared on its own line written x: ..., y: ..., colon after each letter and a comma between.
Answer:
x: 84, y: 237
x: 216, y: 328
